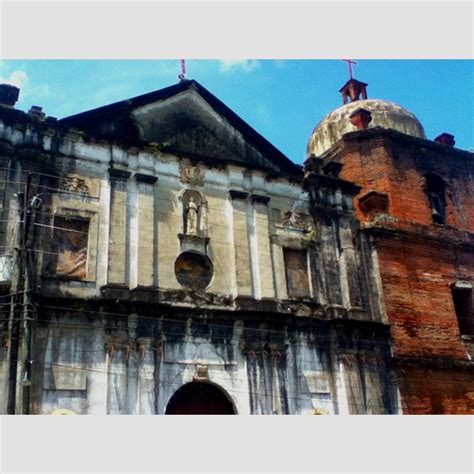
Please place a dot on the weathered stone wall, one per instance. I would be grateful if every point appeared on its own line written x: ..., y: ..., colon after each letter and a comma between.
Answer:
x: 134, y: 199
x: 106, y: 363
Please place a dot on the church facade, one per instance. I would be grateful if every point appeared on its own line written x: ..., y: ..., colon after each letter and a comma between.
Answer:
x: 166, y: 259
x: 162, y: 257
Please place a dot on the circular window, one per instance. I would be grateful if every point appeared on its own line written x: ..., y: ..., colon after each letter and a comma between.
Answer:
x: 193, y: 270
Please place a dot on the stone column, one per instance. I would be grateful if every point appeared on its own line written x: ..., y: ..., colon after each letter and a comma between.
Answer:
x: 146, y: 225
x: 262, y: 234
x: 375, y: 288
x: 317, y: 273
x: 331, y: 257
x: 117, y: 272
x: 98, y: 373
x: 241, y: 246
x: 146, y: 378
x: 349, y: 268
x: 278, y: 269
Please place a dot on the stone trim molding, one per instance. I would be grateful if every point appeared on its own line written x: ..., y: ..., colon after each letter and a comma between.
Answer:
x: 146, y: 178
x: 259, y: 199
x: 236, y: 194
x: 119, y: 174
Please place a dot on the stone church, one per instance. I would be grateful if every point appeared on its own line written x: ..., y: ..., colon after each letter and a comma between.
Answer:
x: 160, y: 256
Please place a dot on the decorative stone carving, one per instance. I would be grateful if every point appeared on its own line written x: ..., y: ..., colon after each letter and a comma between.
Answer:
x: 74, y: 184
x: 191, y: 174
x: 201, y: 373
x: 296, y: 220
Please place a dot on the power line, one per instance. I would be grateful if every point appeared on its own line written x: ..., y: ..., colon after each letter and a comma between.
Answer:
x: 137, y: 377
x: 137, y: 193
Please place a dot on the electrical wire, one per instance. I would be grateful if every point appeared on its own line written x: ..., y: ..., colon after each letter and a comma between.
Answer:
x: 230, y: 390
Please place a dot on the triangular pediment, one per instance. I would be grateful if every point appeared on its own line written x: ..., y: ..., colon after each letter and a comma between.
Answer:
x: 186, y: 123
x: 186, y: 119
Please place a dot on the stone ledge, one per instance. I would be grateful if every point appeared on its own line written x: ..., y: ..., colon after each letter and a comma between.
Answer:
x: 236, y: 194
x: 119, y: 174
x: 146, y: 178
x: 114, y: 291
x: 259, y: 199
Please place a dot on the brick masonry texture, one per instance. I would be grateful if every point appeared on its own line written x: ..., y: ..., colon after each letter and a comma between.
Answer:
x: 419, y: 260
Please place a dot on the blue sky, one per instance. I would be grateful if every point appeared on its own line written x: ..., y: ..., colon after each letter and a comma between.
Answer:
x: 281, y: 99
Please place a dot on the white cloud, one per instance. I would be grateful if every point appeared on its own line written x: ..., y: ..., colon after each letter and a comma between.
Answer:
x: 245, y: 65
x: 30, y: 91
x: 17, y: 78
x: 41, y: 90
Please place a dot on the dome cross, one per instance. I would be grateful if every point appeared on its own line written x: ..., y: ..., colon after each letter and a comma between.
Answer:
x: 182, y: 76
x: 350, y: 62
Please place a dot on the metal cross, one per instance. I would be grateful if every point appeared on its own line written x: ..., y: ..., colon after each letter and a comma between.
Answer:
x: 182, y: 76
x: 350, y: 62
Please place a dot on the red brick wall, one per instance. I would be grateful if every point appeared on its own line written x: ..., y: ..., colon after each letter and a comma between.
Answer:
x: 416, y: 278
x: 417, y: 271
x: 427, y: 391
x: 397, y: 170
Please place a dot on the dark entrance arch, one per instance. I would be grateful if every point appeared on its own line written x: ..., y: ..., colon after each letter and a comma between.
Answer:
x: 199, y: 398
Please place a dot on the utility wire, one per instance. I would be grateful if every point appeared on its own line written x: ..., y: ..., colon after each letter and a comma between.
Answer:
x: 227, y: 389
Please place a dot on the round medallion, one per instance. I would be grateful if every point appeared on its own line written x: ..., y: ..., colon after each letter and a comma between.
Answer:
x: 193, y: 270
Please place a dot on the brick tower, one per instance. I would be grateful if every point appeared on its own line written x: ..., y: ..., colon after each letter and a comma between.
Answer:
x: 416, y: 206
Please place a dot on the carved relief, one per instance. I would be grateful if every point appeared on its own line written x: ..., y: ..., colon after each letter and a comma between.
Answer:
x: 201, y: 373
x: 191, y: 174
x: 74, y: 184
x: 296, y: 220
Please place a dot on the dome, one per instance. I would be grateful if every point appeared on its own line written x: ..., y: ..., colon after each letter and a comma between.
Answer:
x: 385, y: 114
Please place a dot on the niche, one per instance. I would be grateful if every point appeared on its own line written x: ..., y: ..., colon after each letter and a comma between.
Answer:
x: 194, y: 214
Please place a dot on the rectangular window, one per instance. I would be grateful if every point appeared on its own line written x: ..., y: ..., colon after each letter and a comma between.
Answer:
x: 70, y: 243
x: 296, y: 269
x: 462, y: 298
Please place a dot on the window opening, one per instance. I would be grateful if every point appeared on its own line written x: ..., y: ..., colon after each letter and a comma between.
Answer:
x: 462, y: 299
x: 435, y: 188
x: 296, y: 269
x: 70, y: 242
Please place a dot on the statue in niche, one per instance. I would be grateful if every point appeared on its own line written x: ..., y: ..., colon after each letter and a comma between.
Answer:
x: 192, y: 217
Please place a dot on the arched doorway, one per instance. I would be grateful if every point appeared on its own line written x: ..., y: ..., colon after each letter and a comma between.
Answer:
x: 199, y: 398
